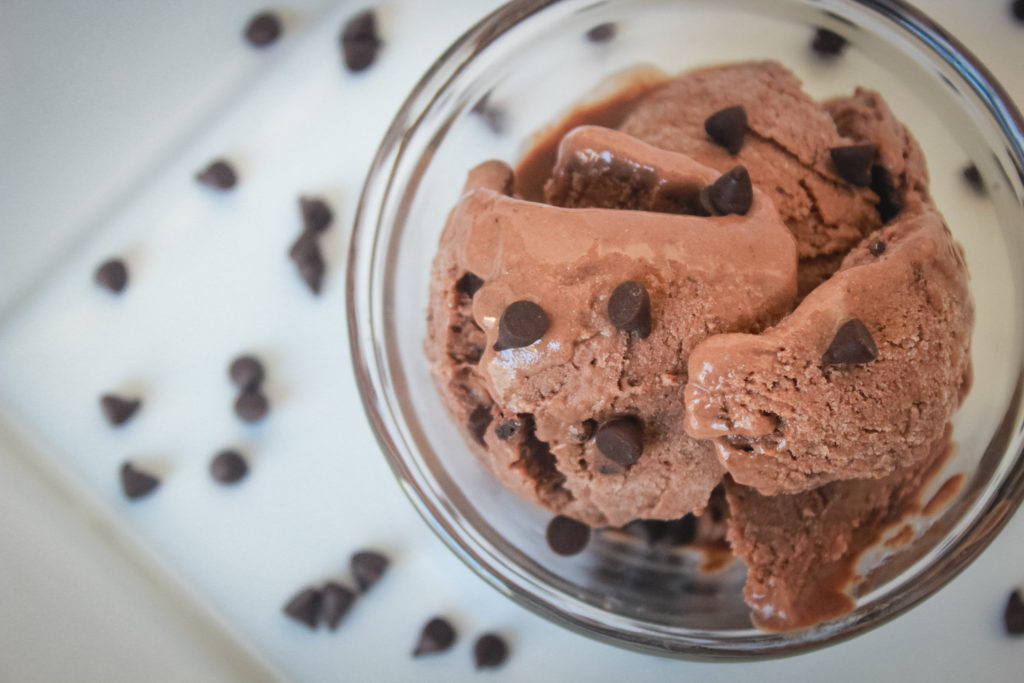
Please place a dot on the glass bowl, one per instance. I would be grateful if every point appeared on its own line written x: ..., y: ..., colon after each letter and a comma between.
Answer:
x: 532, y: 62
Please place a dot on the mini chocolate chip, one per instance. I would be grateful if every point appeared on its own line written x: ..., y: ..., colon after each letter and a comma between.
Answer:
x: 118, y: 409
x: 337, y: 600
x: 601, y: 33
x: 219, y: 175
x: 973, y: 177
x: 877, y: 248
x: 316, y: 214
x: 367, y: 568
x: 507, y: 429
x: 228, y: 467
x: 853, y: 343
x: 478, y: 422
x: 437, y: 636
x: 135, y: 483
x: 359, y: 41
x: 306, y: 607
x: 731, y: 193
x: 890, y: 203
x: 828, y: 43
x: 566, y: 536
x: 1013, y: 616
x: 629, y: 308
x: 853, y: 163
x: 305, y: 253
x: 468, y: 284
x: 621, y: 440
x: 490, y: 651
x: 727, y: 127
x: 252, y: 406
x: 263, y: 29
x: 112, y: 275
x: 1018, y: 9
x: 246, y: 372
x: 522, y: 324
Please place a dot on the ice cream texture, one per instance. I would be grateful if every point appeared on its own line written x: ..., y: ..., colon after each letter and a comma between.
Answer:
x: 739, y: 286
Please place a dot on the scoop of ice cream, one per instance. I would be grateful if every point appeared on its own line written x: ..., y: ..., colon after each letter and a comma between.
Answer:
x: 856, y: 382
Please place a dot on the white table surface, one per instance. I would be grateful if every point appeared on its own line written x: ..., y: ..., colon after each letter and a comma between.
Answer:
x: 96, y: 99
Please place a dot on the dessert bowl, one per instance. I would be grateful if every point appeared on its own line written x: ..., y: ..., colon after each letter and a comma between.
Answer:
x: 530, y: 64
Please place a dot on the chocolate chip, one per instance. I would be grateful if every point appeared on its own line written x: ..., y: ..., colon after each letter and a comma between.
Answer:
x: 493, y: 115
x: 117, y: 409
x: 228, y: 467
x: 890, y: 203
x: 112, y: 275
x: 522, y: 324
x: 853, y: 163
x: 337, y: 600
x: 252, y: 406
x: 306, y: 607
x: 219, y: 175
x: 853, y: 343
x: 135, y: 483
x: 1013, y: 617
x: 601, y: 33
x: 877, y: 248
x: 316, y: 214
x: 478, y: 422
x: 828, y: 43
x: 437, y: 636
x: 359, y: 41
x: 263, y: 29
x: 367, y: 568
x: 731, y: 193
x: 490, y: 651
x: 621, y: 440
x: 973, y: 177
x: 1018, y: 9
x: 305, y: 253
x: 507, y: 429
x: 566, y: 536
x: 468, y: 284
x: 246, y: 372
x: 629, y: 308
x: 727, y: 127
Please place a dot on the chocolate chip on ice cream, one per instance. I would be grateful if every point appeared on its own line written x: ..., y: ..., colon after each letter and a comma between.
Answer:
x: 521, y: 324
x: 621, y: 440
x: 629, y: 308
x: 853, y: 344
x: 732, y: 193
x: 853, y: 163
x: 727, y: 127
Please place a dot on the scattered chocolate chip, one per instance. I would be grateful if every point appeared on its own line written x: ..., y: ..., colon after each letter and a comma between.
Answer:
x: 828, y: 43
x: 219, y: 175
x: 727, y: 127
x: 263, y: 29
x: 316, y: 214
x: 468, y: 284
x: 890, y: 203
x: 112, y: 275
x: 601, y: 33
x: 306, y: 607
x: 437, y: 636
x: 1018, y: 9
x: 507, y: 429
x: 621, y: 440
x: 359, y: 41
x: 246, y: 372
x: 731, y: 193
x: 490, y: 651
x: 252, y: 405
x: 853, y: 163
x: 877, y: 248
x: 117, y: 409
x: 367, y: 568
x: 522, y: 324
x: 228, y: 467
x: 566, y: 536
x: 337, y: 600
x: 629, y: 308
x: 478, y: 422
x: 1013, y: 616
x: 853, y: 343
x: 135, y: 483
x: 305, y: 253
x: 493, y: 115
x: 973, y: 177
